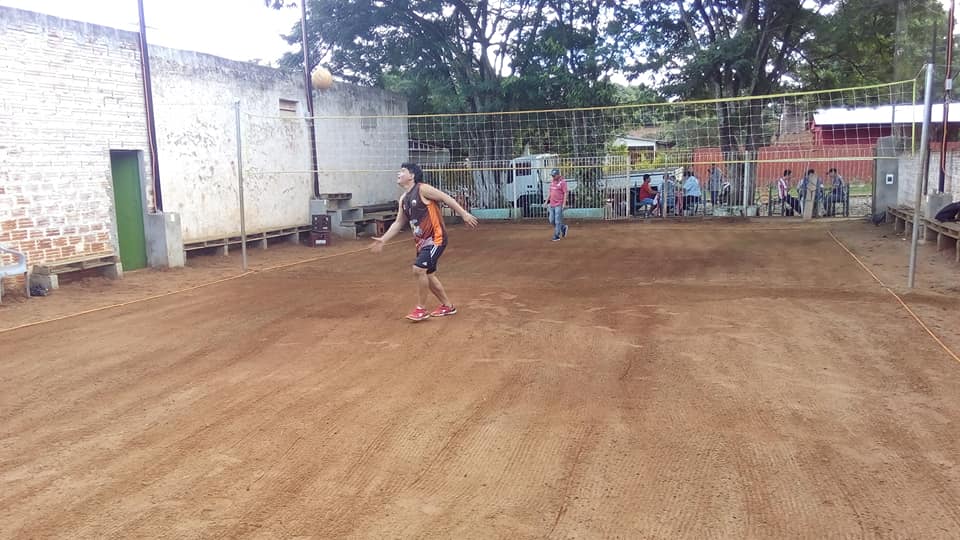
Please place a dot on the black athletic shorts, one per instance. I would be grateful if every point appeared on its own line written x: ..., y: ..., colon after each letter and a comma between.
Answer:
x: 428, y: 256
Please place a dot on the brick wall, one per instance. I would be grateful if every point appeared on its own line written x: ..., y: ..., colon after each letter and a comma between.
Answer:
x: 69, y: 93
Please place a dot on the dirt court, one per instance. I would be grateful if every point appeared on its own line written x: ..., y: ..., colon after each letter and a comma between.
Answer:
x: 641, y: 380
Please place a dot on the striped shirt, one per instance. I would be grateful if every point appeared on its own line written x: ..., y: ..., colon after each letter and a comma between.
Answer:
x: 783, y: 188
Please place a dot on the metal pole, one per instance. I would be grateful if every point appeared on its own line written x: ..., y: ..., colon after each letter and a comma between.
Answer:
x: 148, y: 101
x: 746, y: 181
x: 947, y: 86
x: 243, y: 222
x: 747, y: 184
x: 310, y: 121
x: 513, y: 196
x: 922, y: 176
x: 928, y: 111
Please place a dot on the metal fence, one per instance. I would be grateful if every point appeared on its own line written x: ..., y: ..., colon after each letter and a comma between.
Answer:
x: 599, y: 187
x: 606, y: 188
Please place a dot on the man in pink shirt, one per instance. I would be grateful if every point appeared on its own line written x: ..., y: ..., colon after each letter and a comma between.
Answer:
x: 556, y: 202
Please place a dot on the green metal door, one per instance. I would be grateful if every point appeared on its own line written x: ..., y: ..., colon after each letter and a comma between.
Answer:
x: 128, y: 201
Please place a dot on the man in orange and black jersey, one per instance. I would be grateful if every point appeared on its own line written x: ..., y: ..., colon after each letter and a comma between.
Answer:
x: 419, y: 206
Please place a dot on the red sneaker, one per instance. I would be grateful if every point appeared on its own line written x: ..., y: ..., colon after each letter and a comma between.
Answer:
x: 443, y: 311
x: 418, y: 314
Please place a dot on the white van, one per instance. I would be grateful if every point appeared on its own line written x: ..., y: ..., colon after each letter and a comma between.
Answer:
x: 528, y: 184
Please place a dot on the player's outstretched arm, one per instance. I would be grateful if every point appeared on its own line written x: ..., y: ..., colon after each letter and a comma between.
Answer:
x: 435, y: 194
x: 397, y: 225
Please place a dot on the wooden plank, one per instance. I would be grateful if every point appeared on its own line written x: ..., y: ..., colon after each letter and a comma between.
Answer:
x: 74, y: 264
x: 252, y: 237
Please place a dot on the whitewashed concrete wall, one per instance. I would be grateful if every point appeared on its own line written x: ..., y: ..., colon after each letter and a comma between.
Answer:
x: 362, y: 138
x: 196, y: 132
x: 69, y: 93
x: 909, y: 167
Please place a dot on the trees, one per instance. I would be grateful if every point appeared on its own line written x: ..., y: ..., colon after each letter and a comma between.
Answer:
x: 874, y: 41
x: 474, y: 56
x: 725, y: 49
x: 453, y: 56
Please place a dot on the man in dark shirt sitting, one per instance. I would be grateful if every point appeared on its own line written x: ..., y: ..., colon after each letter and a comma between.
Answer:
x: 950, y: 212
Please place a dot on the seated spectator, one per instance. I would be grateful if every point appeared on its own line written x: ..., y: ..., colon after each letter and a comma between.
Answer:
x: 646, y: 193
x: 949, y: 213
x: 789, y: 203
x: 657, y: 208
x: 837, y: 192
x: 725, y: 190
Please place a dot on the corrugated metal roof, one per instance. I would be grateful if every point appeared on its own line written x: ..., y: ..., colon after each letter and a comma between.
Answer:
x: 635, y: 142
x: 905, y: 114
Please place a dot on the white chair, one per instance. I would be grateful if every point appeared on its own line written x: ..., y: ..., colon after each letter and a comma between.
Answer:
x: 16, y: 269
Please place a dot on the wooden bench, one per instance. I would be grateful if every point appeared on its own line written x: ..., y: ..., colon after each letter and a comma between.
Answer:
x: 291, y: 233
x: 901, y: 216
x: 47, y: 274
x: 944, y: 233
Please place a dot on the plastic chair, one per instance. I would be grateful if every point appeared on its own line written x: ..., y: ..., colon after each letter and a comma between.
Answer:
x: 15, y: 269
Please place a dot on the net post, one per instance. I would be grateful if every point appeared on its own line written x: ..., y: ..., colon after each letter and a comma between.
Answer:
x: 243, y: 225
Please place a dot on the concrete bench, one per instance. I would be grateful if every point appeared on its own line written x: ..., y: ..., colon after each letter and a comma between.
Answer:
x: 382, y: 207
x: 47, y: 274
x: 382, y: 220
x: 358, y: 221
x: 17, y: 268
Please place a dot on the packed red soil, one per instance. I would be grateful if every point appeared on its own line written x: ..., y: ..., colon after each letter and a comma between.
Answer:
x: 640, y: 380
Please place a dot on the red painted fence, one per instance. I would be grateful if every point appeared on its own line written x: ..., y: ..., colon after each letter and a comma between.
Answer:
x: 854, y: 162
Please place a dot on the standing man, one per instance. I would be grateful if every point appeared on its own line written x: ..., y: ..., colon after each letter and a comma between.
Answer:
x: 556, y: 202
x: 714, y: 184
x: 691, y: 192
x: 419, y: 206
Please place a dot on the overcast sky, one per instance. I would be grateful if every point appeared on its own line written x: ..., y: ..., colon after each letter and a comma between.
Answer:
x: 242, y: 30
x: 236, y: 29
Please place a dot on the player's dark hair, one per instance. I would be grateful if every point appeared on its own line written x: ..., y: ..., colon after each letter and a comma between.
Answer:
x: 415, y: 170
